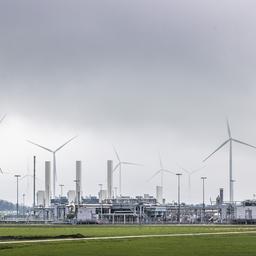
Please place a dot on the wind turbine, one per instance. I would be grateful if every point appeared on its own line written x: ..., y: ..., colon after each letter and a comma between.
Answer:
x: 190, y: 173
x: 119, y: 165
x: 161, y: 171
x: 230, y: 140
x: 54, y: 160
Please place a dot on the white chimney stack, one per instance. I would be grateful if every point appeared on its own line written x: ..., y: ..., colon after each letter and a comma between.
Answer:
x: 110, y: 179
x: 78, y: 181
x: 47, y: 183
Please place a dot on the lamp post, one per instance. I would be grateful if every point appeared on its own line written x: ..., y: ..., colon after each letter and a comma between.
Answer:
x: 203, y: 215
x: 17, y: 205
x: 178, y: 217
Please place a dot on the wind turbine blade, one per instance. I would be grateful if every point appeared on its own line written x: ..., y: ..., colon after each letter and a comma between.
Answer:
x: 229, y: 131
x: 1, y: 120
x: 116, y: 166
x: 25, y: 176
x: 160, y: 161
x: 216, y: 149
x: 117, y: 156
x: 128, y: 163
x: 169, y: 171
x: 154, y: 175
x: 246, y: 144
x: 40, y: 146
x: 185, y: 170
x: 197, y: 170
x: 65, y: 143
x: 1, y: 171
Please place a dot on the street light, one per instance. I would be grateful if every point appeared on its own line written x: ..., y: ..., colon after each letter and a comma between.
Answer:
x: 203, y: 218
x: 178, y: 217
x: 17, y: 205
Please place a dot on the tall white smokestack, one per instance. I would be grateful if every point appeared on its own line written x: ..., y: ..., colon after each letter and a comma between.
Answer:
x: 47, y: 183
x: 159, y: 194
x: 110, y: 178
x: 78, y: 180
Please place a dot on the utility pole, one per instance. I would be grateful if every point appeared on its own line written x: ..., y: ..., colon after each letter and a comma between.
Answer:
x: 178, y: 217
x: 203, y: 215
x: 17, y: 205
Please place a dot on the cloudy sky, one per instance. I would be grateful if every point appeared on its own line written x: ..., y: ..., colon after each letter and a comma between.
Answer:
x: 149, y: 77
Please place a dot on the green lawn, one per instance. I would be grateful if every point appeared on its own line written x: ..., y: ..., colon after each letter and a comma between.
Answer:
x: 92, y: 231
x: 210, y: 245
x: 221, y: 245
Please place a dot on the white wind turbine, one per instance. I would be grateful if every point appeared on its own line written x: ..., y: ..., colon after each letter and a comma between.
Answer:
x: 230, y: 140
x: 119, y: 166
x: 190, y: 173
x: 54, y: 160
x: 161, y: 171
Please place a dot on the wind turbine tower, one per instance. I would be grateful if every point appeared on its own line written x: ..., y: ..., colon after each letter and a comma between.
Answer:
x: 119, y: 166
x: 161, y: 171
x: 190, y: 173
x: 230, y: 140
x: 54, y: 160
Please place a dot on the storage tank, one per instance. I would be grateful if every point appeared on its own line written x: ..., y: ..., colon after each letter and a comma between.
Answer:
x: 71, y: 196
x: 40, y: 198
x: 103, y: 195
x: 159, y: 194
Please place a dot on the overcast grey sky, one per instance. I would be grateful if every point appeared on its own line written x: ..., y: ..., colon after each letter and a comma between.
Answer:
x: 147, y: 76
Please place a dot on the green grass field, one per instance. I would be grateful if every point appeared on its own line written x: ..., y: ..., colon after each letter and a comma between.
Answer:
x: 231, y: 244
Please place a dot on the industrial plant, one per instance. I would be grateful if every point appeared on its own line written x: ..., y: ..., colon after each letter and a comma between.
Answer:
x: 109, y: 206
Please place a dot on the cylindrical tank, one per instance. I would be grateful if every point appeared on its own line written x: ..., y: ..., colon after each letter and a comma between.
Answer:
x: 40, y: 198
x: 71, y: 196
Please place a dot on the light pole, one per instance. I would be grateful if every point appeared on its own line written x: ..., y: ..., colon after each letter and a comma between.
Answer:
x: 203, y: 215
x: 17, y: 205
x: 178, y: 217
